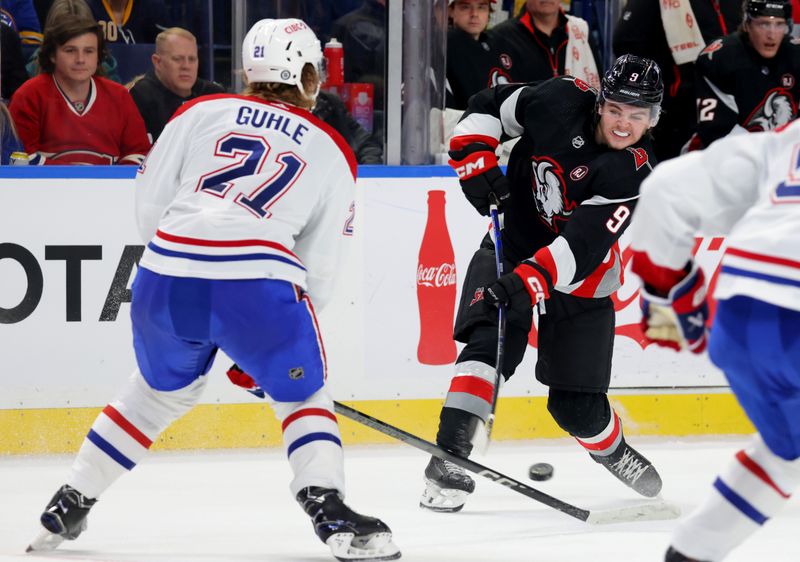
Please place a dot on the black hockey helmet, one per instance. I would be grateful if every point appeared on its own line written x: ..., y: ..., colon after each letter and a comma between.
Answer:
x: 634, y: 81
x: 769, y: 8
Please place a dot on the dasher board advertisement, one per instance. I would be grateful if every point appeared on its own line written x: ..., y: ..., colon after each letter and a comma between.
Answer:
x: 68, y: 253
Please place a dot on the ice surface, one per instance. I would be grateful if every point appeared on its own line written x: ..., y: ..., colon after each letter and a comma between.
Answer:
x: 235, y: 506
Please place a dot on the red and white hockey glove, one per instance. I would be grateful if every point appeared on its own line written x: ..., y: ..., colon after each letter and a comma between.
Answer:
x: 480, y: 177
x: 240, y: 378
x: 527, y: 285
x: 673, y: 316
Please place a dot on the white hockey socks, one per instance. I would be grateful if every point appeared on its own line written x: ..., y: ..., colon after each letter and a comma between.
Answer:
x: 312, y: 441
x: 124, y: 431
x: 752, y: 489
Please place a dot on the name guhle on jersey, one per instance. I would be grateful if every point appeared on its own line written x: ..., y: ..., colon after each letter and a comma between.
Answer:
x: 263, y: 119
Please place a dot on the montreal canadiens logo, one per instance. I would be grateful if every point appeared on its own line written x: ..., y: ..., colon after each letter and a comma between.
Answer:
x: 579, y: 173
x: 433, y: 276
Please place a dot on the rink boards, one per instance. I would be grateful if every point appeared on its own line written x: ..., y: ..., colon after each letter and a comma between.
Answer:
x: 68, y: 248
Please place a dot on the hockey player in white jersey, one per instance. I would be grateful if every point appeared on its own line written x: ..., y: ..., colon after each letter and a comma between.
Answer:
x: 243, y: 204
x: 747, y: 188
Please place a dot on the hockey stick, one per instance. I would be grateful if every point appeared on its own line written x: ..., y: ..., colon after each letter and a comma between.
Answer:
x: 642, y: 512
x: 483, y: 435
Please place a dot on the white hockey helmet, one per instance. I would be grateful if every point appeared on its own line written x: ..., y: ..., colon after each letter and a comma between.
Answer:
x: 276, y: 50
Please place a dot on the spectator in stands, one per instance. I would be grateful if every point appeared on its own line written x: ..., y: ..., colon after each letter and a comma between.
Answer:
x: 68, y: 114
x: 12, y: 63
x: 59, y: 10
x: 129, y: 22
x: 534, y: 45
x: 473, y: 63
x: 9, y: 141
x: 172, y: 82
x: 749, y: 80
x: 21, y: 16
x: 332, y: 110
x: 673, y: 33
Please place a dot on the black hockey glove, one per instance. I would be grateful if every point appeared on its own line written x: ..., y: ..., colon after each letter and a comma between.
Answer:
x: 480, y: 177
x: 519, y: 290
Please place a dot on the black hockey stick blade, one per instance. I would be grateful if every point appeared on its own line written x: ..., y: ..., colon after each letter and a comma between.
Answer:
x: 650, y: 511
x: 472, y: 466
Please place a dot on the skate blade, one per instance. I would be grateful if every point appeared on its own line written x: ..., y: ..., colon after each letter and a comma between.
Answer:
x: 377, y: 546
x: 44, y: 542
x: 443, y: 500
x: 654, y: 511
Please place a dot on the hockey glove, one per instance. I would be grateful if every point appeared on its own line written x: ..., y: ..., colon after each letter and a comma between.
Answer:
x: 240, y: 378
x: 480, y: 176
x: 519, y: 290
x: 679, y: 319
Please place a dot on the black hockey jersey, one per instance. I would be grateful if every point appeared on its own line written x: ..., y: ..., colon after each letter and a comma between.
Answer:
x: 472, y: 65
x: 570, y: 195
x: 737, y: 86
x: 528, y: 54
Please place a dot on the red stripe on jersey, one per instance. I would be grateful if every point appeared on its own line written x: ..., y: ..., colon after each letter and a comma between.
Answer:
x: 305, y: 114
x: 127, y: 426
x: 544, y: 258
x: 473, y: 385
x: 760, y: 473
x: 307, y: 412
x: 589, y: 285
x: 608, y: 441
x: 223, y: 243
x: 763, y: 258
x: 715, y: 244
x: 459, y: 142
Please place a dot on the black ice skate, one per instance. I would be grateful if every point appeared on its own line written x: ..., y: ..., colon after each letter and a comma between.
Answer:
x: 446, y: 486
x: 64, y: 518
x: 630, y: 467
x: 675, y: 556
x: 350, y: 535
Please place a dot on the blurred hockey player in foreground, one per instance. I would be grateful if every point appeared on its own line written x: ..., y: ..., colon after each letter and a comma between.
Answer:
x: 572, y: 183
x: 747, y: 188
x: 243, y: 202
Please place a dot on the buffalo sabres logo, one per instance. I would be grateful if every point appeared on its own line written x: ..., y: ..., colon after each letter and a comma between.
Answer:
x: 549, y: 192
x: 778, y: 108
x: 497, y: 77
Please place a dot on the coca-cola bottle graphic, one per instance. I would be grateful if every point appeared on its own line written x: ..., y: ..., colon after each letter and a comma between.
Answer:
x: 436, y: 287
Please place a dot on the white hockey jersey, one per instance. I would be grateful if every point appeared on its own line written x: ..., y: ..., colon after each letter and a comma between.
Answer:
x: 239, y: 188
x: 745, y: 187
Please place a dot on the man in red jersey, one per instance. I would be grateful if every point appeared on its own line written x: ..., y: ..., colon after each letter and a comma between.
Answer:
x: 68, y: 114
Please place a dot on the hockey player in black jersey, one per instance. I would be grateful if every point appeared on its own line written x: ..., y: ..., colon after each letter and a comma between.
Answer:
x: 569, y: 191
x: 749, y: 79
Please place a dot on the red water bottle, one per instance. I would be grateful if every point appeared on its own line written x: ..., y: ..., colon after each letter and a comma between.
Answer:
x: 334, y: 59
x: 436, y: 287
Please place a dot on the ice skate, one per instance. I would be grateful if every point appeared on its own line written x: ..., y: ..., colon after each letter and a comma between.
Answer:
x: 64, y: 518
x: 675, y: 556
x: 631, y: 468
x: 447, y: 486
x: 349, y: 535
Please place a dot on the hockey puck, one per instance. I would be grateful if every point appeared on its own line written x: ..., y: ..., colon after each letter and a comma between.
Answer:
x: 540, y: 471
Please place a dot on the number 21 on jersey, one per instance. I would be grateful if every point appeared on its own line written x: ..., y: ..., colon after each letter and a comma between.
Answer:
x: 249, y: 154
